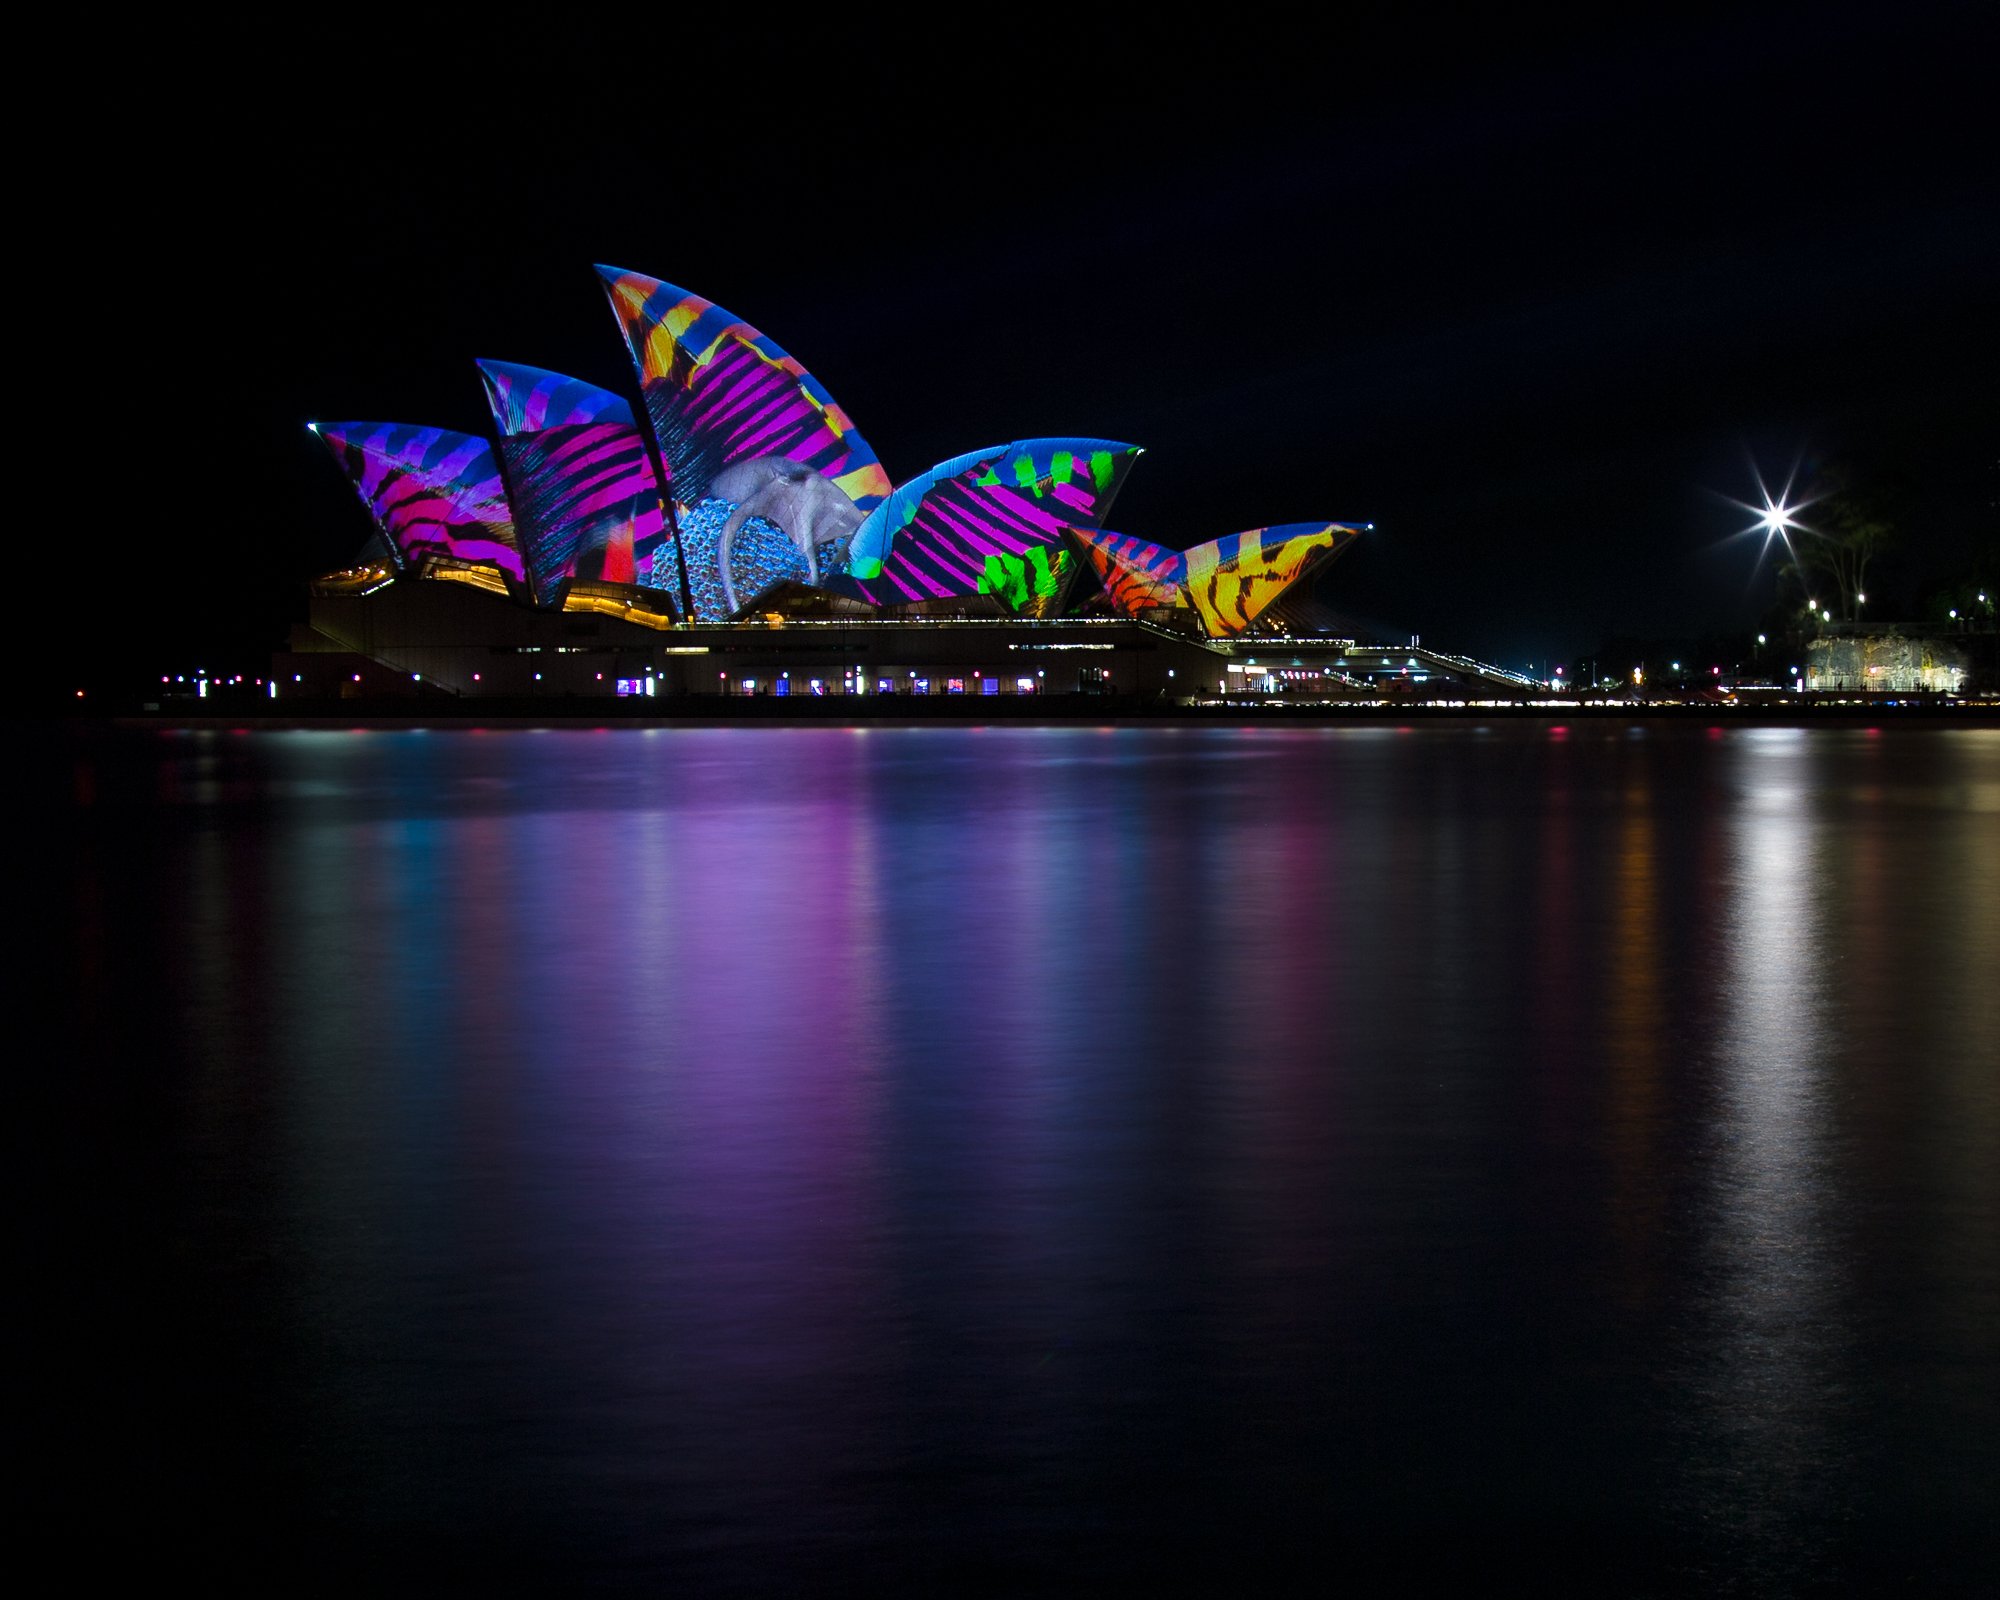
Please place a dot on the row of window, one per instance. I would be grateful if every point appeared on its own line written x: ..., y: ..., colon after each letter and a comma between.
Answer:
x: 864, y: 684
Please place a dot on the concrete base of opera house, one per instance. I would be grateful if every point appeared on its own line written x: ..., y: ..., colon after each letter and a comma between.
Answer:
x: 425, y: 639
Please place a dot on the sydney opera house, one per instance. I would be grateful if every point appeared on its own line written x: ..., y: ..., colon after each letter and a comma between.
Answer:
x: 735, y: 533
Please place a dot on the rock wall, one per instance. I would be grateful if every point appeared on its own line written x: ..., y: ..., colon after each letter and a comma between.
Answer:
x: 1886, y: 663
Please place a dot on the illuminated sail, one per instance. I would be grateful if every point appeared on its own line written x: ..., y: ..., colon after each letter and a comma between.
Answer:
x: 988, y: 522
x: 432, y: 492
x: 719, y: 393
x: 586, y: 500
x: 1228, y: 583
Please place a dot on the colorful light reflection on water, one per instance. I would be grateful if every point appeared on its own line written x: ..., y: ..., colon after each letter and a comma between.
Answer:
x: 1044, y: 1159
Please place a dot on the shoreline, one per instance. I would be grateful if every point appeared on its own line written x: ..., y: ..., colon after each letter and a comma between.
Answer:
x: 515, y: 716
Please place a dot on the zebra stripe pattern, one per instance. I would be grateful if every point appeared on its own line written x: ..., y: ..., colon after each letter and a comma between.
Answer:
x: 1137, y: 576
x: 995, y: 526
x: 1228, y: 582
x: 718, y: 392
x: 585, y: 497
x: 431, y: 491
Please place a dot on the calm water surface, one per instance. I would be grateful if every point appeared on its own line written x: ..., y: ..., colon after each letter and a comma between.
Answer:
x: 1033, y: 1161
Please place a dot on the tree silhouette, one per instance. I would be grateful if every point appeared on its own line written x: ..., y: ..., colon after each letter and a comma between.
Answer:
x: 1850, y: 522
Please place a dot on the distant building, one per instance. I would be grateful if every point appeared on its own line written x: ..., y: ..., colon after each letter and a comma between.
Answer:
x: 1883, y: 658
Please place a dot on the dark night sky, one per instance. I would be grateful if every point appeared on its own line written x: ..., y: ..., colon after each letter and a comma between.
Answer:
x: 1529, y: 299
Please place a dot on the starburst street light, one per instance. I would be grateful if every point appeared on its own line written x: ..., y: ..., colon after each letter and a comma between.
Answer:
x: 1776, y: 517
x: 1774, y: 514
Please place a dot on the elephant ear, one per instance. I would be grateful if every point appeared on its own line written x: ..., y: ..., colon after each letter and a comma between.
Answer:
x: 586, y: 500
x: 719, y: 392
x: 990, y: 522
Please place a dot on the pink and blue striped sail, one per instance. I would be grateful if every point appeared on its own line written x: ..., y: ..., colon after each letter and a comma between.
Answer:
x: 988, y: 522
x: 530, y: 399
x: 586, y: 499
x: 432, y: 493
x: 719, y: 393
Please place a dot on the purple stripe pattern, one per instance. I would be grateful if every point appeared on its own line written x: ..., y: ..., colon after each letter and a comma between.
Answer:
x: 585, y: 497
x: 432, y: 493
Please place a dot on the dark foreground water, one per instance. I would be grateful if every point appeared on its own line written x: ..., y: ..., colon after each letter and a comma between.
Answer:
x: 1033, y: 1161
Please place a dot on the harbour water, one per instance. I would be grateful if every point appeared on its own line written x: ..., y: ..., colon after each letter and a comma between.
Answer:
x: 959, y: 1161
